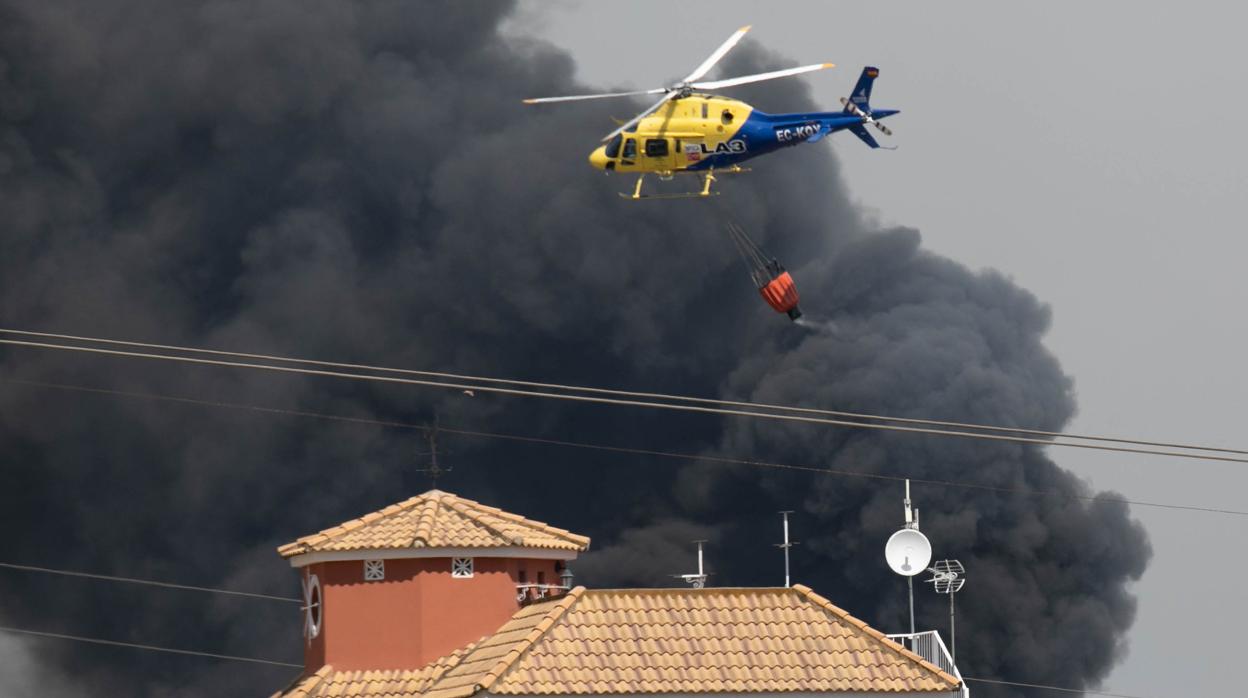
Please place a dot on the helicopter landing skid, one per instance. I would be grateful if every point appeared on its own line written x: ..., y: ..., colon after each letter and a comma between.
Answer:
x: 708, y: 177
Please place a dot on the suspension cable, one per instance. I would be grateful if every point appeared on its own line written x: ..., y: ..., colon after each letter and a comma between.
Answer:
x: 624, y: 449
x: 625, y: 402
x: 626, y: 393
x: 151, y: 648
x: 147, y: 582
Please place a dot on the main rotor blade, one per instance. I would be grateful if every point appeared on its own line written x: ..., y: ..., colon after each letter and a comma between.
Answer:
x: 719, y: 53
x: 759, y: 77
x: 573, y: 98
x: 633, y: 121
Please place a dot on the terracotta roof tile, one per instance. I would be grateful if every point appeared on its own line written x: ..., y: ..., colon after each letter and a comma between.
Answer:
x: 660, y: 641
x: 436, y: 519
x: 688, y: 641
x: 327, y: 683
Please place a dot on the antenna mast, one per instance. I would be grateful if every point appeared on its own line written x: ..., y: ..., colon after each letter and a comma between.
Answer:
x: 697, y: 581
x: 912, y: 523
x: 908, y: 551
x: 912, y: 517
x: 786, y: 545
x: 948, y: 576
x: 434, y: 470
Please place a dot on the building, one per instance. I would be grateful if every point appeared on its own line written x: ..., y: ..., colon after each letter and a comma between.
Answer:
x: 443, y: 597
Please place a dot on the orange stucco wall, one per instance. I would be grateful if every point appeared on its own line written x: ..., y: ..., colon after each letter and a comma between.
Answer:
x: 417, y: 614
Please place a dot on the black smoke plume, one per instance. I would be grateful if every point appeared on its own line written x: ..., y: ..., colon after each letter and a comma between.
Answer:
x: 359, y: 181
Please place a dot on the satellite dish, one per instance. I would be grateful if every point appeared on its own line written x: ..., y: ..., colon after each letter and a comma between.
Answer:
x: 908, y: 552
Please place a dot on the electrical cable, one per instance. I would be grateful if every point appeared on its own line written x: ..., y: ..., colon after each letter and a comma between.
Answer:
x: 152, y: 648
x: 628, y: 393
x: 1052, y: 688
x: 578, y: 445
x: 148, y: 582
x: 614, y: 401
x: 624, y: 449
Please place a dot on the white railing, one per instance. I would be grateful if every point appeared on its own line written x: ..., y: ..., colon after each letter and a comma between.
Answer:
x: 929, y: 646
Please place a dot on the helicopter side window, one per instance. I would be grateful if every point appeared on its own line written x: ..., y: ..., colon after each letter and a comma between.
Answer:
x: 613, y: 147
x: 630, y: 149
x: 726, y: 117
x: 656, y: 147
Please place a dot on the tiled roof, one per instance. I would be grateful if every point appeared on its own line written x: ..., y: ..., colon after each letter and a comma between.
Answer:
x: 437, y: 519
x: 373, y: 684
x: 687, y: 641
x: 654, y: 641
x: 495, y: 655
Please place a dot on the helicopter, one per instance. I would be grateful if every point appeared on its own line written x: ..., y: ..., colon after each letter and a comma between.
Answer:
x: 689, y: 131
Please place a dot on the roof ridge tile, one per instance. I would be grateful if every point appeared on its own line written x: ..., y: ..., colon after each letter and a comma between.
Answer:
x: 436, y: 519
x: 459, y: 508
x: 426, y: 515
x: 523, y: 520
x: 556, y: 612
x: 302, y: 543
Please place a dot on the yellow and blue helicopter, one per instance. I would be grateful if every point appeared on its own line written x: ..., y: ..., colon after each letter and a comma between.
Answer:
x: 691, y: 132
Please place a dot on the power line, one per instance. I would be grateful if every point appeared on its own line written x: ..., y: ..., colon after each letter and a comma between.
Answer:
x: 151, y: 648
x: 624, y: 449
x: 598, y: 391
x: 845, y: 473
x: 624, y: 402
x: 147, y: 582
x: 629, y: 393
x: 1051, y: 688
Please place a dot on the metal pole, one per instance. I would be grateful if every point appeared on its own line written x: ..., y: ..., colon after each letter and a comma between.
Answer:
x: 786, y: 549
x: 953, y: 637
x: 910, y: 583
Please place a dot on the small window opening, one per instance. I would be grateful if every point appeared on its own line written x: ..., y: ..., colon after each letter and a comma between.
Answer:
x: 656, y: 147
x: 461, y: 567
x: 312, y: 607
x: 630, y: 149
x: 374, y: 570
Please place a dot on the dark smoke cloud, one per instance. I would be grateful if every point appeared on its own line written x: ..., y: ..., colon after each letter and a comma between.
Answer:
x: 359, y: 181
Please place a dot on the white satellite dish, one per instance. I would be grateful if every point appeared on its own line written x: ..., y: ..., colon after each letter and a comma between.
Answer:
x: 908, y: 552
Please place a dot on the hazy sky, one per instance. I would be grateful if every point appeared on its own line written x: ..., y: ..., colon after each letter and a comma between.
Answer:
x: 1091, y: 151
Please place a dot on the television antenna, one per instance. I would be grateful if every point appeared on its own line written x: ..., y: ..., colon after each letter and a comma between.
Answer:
x: 434, y: 470
x: 908, y: 551
x: 948, y: 576
x: 786, y: 545
x: 697, y: 581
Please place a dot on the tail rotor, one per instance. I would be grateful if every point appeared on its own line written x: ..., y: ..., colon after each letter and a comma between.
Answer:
x: 858, y: 104
x: 865, y: 116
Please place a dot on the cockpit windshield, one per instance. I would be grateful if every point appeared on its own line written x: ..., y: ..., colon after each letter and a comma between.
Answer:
x: 613, y: 146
